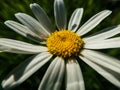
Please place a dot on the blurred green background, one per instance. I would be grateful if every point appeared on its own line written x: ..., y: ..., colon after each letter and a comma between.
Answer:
x: 8, y: 61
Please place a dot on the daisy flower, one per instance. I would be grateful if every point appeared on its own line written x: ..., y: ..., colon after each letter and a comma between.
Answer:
x: 63, y: 47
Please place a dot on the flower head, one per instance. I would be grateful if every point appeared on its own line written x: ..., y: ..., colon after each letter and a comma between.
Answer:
x: 65, y: 44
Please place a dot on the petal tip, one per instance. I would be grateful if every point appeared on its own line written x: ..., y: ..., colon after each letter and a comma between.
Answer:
x: 6, y: 22
x: 33, y: 4
x: 17, y: 14
x: 108, y: 11
x: 3, y: 84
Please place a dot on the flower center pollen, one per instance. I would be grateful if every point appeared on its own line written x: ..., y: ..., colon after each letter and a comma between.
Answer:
x: 64, y: 43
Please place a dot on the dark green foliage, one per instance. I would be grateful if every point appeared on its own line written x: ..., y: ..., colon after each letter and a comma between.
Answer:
x: 8, y: 61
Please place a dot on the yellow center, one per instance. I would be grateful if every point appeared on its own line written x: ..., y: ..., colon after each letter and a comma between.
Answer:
x: 64, y: 43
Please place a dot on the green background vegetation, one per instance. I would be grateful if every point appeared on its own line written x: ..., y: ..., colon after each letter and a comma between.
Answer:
x: 8, y: 61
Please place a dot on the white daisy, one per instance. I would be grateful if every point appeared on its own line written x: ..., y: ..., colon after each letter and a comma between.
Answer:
x: 62, y: 46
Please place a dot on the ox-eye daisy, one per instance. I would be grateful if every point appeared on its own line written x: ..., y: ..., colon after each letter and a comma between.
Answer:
x: 65, y: 44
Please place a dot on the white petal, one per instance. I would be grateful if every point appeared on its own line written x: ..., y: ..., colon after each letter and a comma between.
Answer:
x: 14, y: 46
x: 103, y: 57
x: 75, y: 19
x: 33, y: 24
x: 25, y: 70
x: 60, y: 14
x: 102, y: 60
x: 104, y: 44
x: 74, y: 78
x: 103, y: 34
x: 106, y: 74
x: 54, y: 75
x: 42, y: 17
x: 93, y: 22
x: 23, y: 30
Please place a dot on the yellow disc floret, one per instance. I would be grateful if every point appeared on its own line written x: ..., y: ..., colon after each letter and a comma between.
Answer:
x: 64, y: 43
